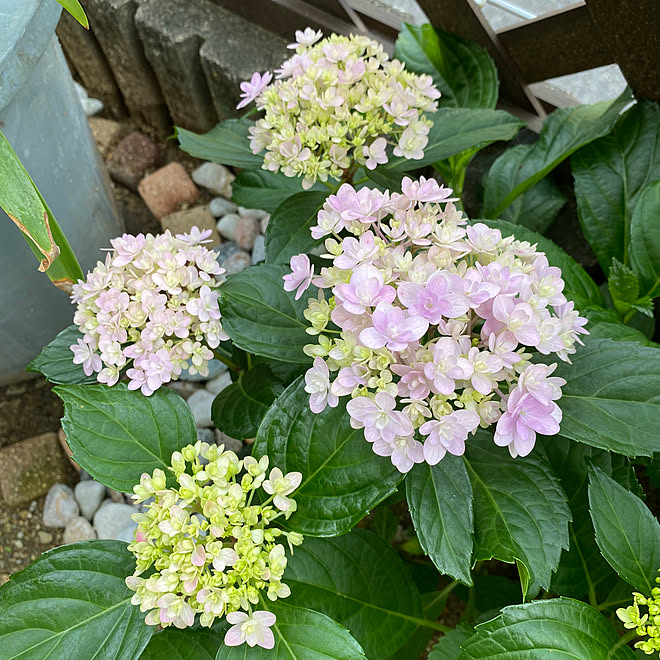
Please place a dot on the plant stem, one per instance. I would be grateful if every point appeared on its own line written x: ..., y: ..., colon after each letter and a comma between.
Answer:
x: 623, y: 640
x: 629, y: 315
x: 225, y: 360
x: 443, y: 593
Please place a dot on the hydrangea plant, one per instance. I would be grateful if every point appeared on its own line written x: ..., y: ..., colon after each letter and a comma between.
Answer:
x: 506, y: 410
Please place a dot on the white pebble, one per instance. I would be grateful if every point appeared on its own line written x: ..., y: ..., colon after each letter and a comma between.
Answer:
x: 78, y: 529
x: 218, y: 384
x: 217, y: 178
x: 227, y: 226
x: 200, y: 404
x: 89, y: 495
x: 264, y: 223
x: 259, y: 250
x: 231, y: 444
x: 220, y: 206
x: 112, y: 518
x: 254, y: 213
x: 60, y: 506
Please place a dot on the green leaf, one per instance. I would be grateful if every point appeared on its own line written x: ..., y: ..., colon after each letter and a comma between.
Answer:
x: 611, y: 174
x: 579, y: 286
x: 449, y: 646
x: 361, y: 582
x: 645, y: 239
x: 611, y: 399
x: 456, y: 130
x: 300, y: 634
x: 606, y: 324
x: 560, y: 628
x: 261, y: 189
x: 385, y: 523
x: 342, y: 477
x: 116, y: 434
x: 55, y: 361
x: 261, y: 317
x: 22, y: 202
x: 190, y: 644
x: 520, y: 510
x: 73, y: 602
x: 582, y: 570
x: 462, y: 70
x: 537, y: 207
x: 227, y: 143
x: 239, y: 408
x: 74, y: 8
x: 627, y: 533
x: 564, y: 131
x: 440, y: 501
x: 622, y: 282
x: 288, y: 230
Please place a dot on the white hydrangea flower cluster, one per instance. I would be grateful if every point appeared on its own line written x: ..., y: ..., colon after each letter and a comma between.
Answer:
x: 153, y: 302
x: 213, y: 546
x: 429, y: 323
x: 337, y: 104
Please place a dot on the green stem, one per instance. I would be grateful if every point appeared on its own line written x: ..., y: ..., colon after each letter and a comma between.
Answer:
x: 629, y: 315
x: 468, y: 613
x: 249, y: 360
x: 443, y: 593
x: 225, y: 360
x: 623, y: 640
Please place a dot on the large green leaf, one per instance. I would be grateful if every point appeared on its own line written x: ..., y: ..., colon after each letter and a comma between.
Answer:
x: 610, y: 174
x: 116, y: 434
x: 262, y: 189
x: 462, y: 70
x: 627, y: 533
x: 561, y: 628
x: 288, y: 230
x: 261, y: 317
x: 55, y: 361
x: 582, y: 570
x: 645, y: 240
x: 579, y: 286
x: 239, y: 408
x: 300, y: 634
x: 227, y: 143
x: 73, y: 602
x: 520, y: 510
x: 440, y: 501
x: 342, y: 477
x: 74, y: 8
x: 25, y: 206
x: 611, y: 399
x: 456, y: 130
x: 359, y: 581
x: 449, y: 646
x: 606, y: 324
x: 564, y: 131
x: 189, y: 644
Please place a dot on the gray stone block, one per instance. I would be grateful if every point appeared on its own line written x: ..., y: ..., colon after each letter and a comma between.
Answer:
x: 87, y: 59
x: 172, y: 33
x: 233, y: 53
x: 113, y: 22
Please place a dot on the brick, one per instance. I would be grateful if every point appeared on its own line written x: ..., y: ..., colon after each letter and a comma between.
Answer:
x: 105, y: 133
x: 183, y: 221
x: 232, y: 54
x: 132, y: 158
x: 30, y: 467
x: 172, y: 33
x: 167, y: 190
x: 113, y: 22
x: 83, y: 51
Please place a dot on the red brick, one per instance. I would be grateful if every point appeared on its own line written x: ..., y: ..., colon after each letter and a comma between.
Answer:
x: 167, y: 190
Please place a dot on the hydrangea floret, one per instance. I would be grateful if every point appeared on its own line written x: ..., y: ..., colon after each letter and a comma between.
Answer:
x: 337, y: 104
x: 645, y: 624
x: 151, y: 308
x: 429, y: 322
x: 208, y: 546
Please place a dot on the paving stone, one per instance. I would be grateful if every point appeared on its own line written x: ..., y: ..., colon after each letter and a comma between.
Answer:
x: 132, y: 158
x: 89, y: 495
x: 237, y: 262
x: 30, y: 467
x: 220, y: 206
x: 113, y: 23
x: 105, y: 133
x: 78, y: 529
x: 82, y: 50
x: 172, y: 33
x: 112, y: 518
x: 214, y: 177
x: 167, y: 190
x: 60, y: 506
x: 183, y: 221
x: 232, y: 54
x: 247, y: 230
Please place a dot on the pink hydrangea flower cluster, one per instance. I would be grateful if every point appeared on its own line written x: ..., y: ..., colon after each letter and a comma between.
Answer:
x: 337, y: 102
x: 151, y: 308
x: 429, y: 323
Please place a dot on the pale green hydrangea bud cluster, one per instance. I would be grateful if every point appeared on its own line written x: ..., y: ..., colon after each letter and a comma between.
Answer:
x: 212, y: 545
x: 647, y: 624
x: 338, y: 103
